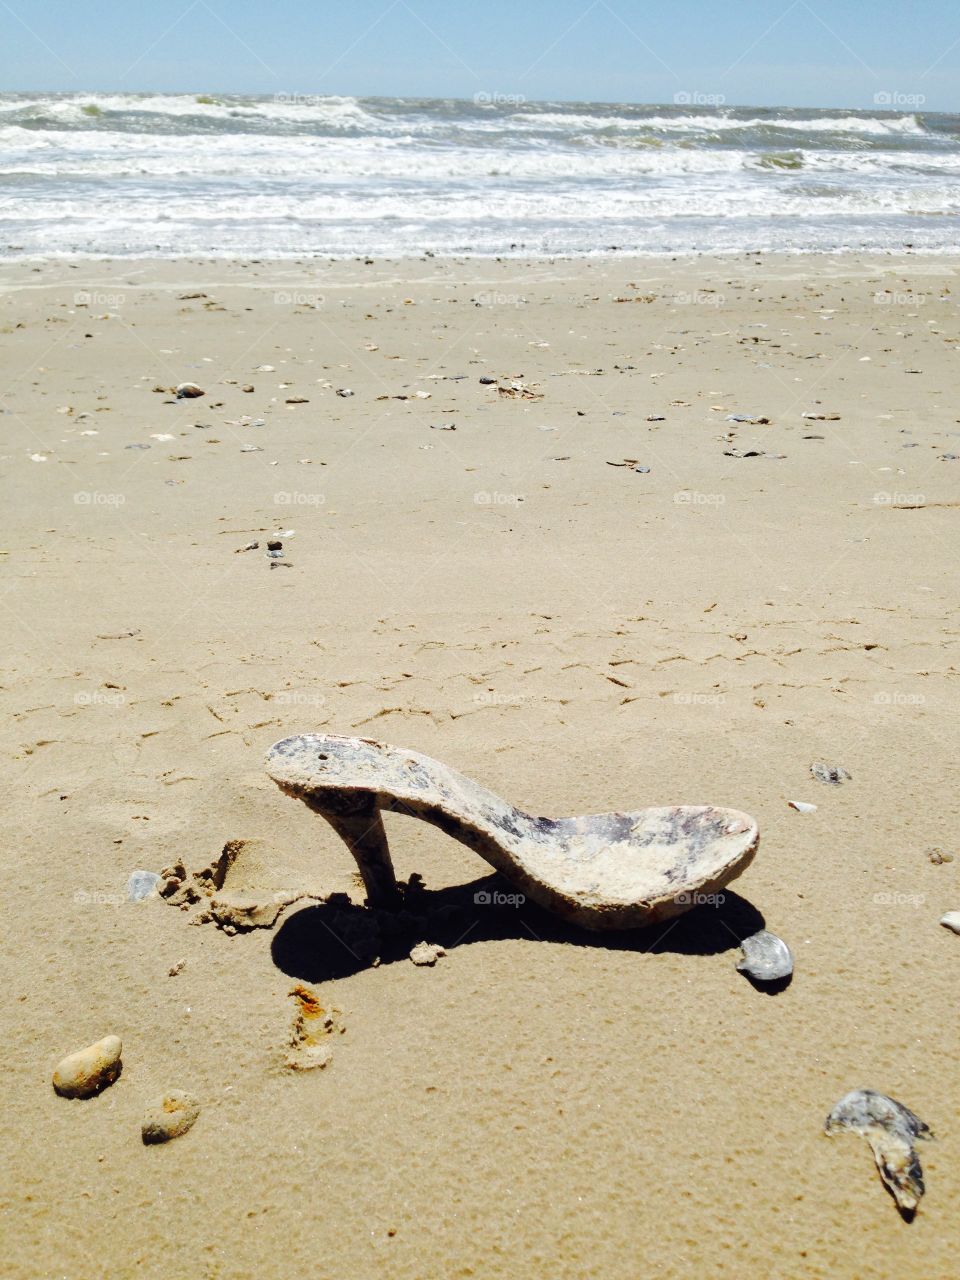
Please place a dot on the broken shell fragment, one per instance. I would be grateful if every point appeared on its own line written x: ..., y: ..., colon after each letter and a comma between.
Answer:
x: 802, y: 806
x: 766, y: 957
x: 88, y: 1071
x: 951, y: 921
x: 188, y: 391
x: 892, y: 1130
x: 834, y: 774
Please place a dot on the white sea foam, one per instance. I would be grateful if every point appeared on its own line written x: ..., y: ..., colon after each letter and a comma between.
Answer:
x: 294, y: 174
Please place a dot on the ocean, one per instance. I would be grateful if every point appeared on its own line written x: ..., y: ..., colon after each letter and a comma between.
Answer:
x: 292, y: 175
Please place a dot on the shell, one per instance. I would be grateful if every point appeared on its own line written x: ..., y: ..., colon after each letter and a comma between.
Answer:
x: 766, y: 957
x: 892, y: 1130
x: 831, y: 773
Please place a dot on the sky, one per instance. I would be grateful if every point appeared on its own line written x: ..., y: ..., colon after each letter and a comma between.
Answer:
x: 846, y: 53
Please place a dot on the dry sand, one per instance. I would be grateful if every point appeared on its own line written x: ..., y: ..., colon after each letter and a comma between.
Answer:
x: 540, y: 1103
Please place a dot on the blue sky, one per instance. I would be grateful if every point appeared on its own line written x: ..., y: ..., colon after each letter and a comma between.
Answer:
x: 742, y: 51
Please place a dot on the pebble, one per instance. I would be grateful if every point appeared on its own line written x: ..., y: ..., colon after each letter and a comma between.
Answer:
x: 427, y: 953
x: 169, y: 1117
x: 802, y: 806
x: 141, y: 885
x: 188, y: 391
x: 951, y: 921
x: 88, y: 1071
x: 831, y: 773
x: 765, y: 957
x: 938, y: 856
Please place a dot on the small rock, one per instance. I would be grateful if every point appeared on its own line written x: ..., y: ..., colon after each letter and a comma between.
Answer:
x: 169, y: 1117
x: 248, y: 389
x: 951, y: 921
x: 176, y: 968
x: 831, y: 773
x: 251, y: 546
x: 802, y: 806
x: 765, y: 957
x: 344, y: 392
x: 141, y: 884
x: 188, y: 391
x: 427, y: 953
x: 297, y: 400
x: 88, y: 1071
x: 487, y: 382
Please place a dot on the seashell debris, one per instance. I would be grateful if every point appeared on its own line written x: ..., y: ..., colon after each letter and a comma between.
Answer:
x: 802, y: 806
x: 88, y: 1071
x: 766, y: 957
x: 831, y: 773
x: 951, y: 921
x: 169, y: 1117
x: 142, y: 884
x: 892, y: 1131
x: 188, y: 391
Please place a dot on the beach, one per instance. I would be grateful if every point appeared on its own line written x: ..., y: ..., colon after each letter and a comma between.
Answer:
x: 598, y: 532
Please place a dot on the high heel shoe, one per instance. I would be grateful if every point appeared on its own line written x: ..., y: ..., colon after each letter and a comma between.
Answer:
x: 603, y: 871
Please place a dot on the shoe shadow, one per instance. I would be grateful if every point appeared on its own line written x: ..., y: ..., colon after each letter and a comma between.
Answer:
x: 336, y: 938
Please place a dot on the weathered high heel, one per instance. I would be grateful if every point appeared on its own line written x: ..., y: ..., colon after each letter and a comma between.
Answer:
x: 603, y: 871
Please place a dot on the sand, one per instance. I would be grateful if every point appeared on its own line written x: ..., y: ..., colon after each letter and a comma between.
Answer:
x: 577, y: 636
